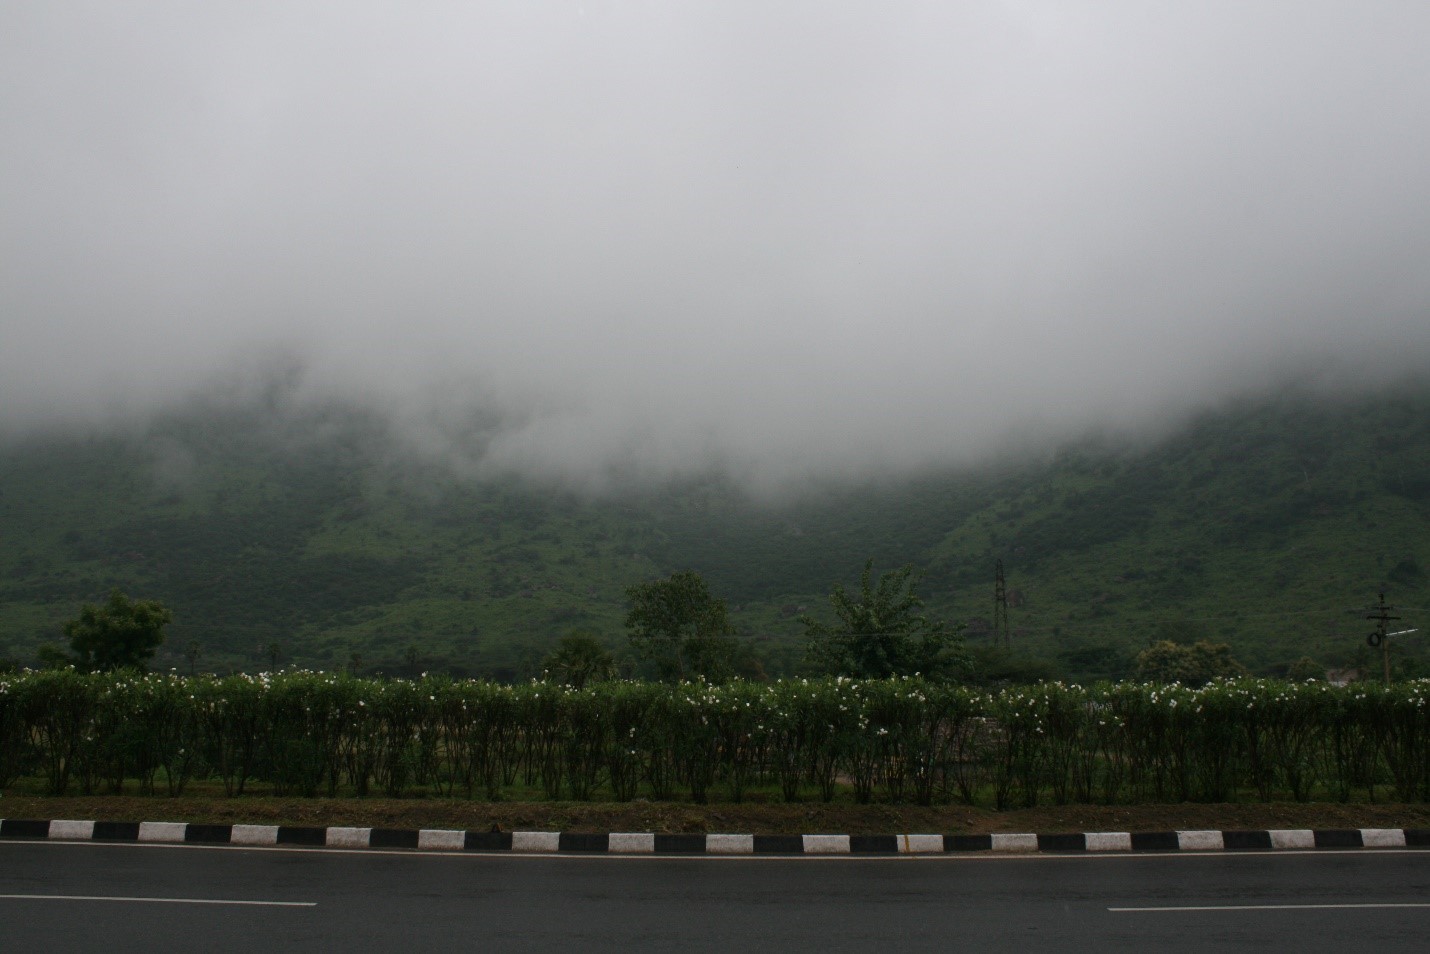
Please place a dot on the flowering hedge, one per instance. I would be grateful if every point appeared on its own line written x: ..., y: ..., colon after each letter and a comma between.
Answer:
x: 904, y: 740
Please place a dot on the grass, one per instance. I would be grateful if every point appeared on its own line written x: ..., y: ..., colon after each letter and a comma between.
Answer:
x: 838, y: 817
x: 761, y: 812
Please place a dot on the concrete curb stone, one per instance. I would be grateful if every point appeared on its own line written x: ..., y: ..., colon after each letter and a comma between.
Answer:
x: 627, y: 843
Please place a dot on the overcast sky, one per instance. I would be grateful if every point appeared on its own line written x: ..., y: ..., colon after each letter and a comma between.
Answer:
x: 648, y: 237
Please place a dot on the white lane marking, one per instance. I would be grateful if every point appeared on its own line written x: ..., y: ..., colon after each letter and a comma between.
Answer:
x: 98, y: 897
x: 1272, y: 907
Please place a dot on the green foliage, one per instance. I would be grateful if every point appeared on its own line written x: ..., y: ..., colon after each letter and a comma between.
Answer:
x: 882, y: 632
x: 680, y: 626
x: 898, y: 740
x: 1406, y: 573
x: 579, y: 658
x: 1264, y: 520
x: 121, y: 634
x: 993, y: 666
x: 1097, y: 661
x: 1195, y: 665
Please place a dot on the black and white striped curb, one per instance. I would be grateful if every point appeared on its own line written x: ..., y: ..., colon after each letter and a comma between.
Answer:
x: 636, y: 843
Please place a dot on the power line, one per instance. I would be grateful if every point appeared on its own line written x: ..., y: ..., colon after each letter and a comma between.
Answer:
x: 1381, y: 616
x: 1034, y: 627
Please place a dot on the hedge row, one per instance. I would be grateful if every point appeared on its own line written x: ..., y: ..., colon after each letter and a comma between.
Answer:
x: 906, y: 740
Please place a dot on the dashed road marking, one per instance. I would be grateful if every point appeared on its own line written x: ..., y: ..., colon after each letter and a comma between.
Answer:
x: 101, y: 897
x: 1268, y: 907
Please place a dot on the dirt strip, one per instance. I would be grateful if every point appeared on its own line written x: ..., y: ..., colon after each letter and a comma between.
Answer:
x: 677, y: 817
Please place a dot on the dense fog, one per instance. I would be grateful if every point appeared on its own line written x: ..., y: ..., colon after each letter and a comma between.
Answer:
x: 624, y: 241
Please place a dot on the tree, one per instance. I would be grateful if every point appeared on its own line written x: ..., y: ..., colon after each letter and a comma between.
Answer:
x: 994, y: 665
x: 882, y: 632
x: 579, y: 658
x: 1305, y: 669
x: 1194, y: 665
x: 121, y: 634
x: 682, y: 628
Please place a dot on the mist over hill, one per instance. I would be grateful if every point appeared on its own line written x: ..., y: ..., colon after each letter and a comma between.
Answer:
x: 1268, y: 522
x: 785, y: 242
x: 410, y: 338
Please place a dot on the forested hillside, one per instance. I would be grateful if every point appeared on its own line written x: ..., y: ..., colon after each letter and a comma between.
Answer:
x: 307, y: 533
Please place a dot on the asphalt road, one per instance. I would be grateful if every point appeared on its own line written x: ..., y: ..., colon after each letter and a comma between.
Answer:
x: 118, y: 898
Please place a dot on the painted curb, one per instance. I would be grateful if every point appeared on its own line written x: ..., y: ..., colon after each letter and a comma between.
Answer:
x: 624, y: 843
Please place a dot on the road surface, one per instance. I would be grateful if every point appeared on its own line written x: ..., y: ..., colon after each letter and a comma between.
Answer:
x: 119, y: 898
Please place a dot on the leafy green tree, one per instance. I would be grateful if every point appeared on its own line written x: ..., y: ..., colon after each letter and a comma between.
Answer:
x: 578, y: 659
x: 677, y: 624
x: 1183, y: 631
x: 1194, y: 665
x: 1305, y: 669
x: 121, y: 634
x: 1093, y: 661
x: 882, y: 632
x: 994, y: 666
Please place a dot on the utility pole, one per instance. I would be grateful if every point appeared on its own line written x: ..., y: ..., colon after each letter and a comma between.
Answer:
x: 1381, y: 616
x: 1000, y: 608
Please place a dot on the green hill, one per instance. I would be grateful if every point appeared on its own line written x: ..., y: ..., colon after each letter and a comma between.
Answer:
x: 1266, y: 523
